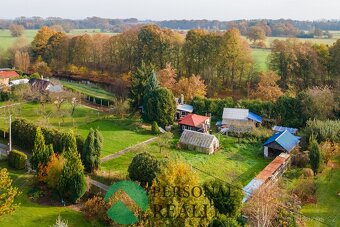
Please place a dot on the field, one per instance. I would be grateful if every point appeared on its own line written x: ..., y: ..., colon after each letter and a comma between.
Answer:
x: 328, y: 202
x: 260, y: 57
x: 32, y: 214
x: 6, y: 40
x: 237, y: 163
x: 92, y: 90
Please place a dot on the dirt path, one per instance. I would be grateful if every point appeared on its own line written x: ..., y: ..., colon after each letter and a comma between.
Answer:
x: 102, y: 186
x: 124, y: 151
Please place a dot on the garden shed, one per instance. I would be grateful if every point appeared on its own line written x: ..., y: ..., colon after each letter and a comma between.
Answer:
x: 198, y: 141
x: 280, y: 142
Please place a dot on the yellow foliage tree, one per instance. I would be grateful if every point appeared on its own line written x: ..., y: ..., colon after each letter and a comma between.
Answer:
x: 191, y: 87
x: 7, y: 193
x: 267, y: 89
x: 177, y: 198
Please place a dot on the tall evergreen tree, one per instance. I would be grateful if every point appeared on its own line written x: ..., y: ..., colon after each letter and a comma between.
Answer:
x: 69, y: 141
x: 315, y: 156
x: 139, y: 81
x: 92, y: 150
x: 72, y: 183
x: 38, y: 153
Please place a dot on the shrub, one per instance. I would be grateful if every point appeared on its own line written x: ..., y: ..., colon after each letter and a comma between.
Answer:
x: 54, y: 170
x: 307, y: 172
x: 154, y: 128
x: 323, y: 130
x: 95, y: 207
x: 300, y: 159
x: 329, y: 150
x: 315, y: 156
x: 144, y: 168
x: 305, y: 190
x: 17, y: 159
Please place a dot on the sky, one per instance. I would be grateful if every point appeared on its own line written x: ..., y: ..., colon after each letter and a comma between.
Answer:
x: 174, y: 9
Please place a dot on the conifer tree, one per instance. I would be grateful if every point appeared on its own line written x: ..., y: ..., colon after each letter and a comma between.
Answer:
x: 38, y: 153
x: 315, y: 156
x: 92, y: 150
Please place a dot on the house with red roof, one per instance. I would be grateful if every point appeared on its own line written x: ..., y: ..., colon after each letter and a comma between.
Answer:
x: 6, y: 75
x: 195, y: 122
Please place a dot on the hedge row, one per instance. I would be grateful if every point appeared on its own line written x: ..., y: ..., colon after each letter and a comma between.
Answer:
x: 17, y: 159
x: 23, y: 134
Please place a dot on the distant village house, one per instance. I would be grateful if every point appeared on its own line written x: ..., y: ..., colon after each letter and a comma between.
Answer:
x: 182, y: 109
x: 195, y: 122
x: 6, y: 75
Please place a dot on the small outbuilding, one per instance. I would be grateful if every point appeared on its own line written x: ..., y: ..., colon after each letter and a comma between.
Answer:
x: 277, y: 128
x: 195, y: 122
x: 198, y: 141
x: 280, y: 142
x: 237, y: 116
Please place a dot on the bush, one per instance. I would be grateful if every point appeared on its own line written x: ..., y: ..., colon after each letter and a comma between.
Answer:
x: 144, y: 168
x: 53, y: 171
x: 23, y: 134
x: 307, y: 172
x: 95, y: 207
x: 300, y: 159
x: 323, y: 130
x: 305, y: 190
x: 17, y: 159
x: 154, y: 128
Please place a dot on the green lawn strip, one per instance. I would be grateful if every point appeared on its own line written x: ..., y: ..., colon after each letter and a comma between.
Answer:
x: 236, y: 163
x: 260, y: 57
x: 327, y: 208
x: 118, y: 133
x: 32, y: 214
x: 90, y: 90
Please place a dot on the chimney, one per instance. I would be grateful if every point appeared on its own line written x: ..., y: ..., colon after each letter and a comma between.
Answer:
x: 182, y: 99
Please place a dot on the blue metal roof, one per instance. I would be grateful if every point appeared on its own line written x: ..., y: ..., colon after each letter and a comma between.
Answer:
x: 254, y: 117
x: 185, y: 107
x: 252, y: 186
x: 281, y: 129
x: 218, y: 123
x: 285, y: 139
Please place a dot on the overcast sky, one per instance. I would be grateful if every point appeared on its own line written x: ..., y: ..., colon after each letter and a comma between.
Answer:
x: 174, y: 9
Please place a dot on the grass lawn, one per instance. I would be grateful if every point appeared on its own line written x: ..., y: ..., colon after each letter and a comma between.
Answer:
x: 234, y: 163
x: 118, y: 133
x: 260, y: 57
x: 85, y: 89
x: 327, y: 208
x: 33, y: 112
x: 32, y: 214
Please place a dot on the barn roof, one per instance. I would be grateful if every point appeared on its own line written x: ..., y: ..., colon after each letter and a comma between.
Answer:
x: 285, y: 139
x: 193, y: 120
x: 185, y: 107
x: 8, y: 74
x: 197, y: 139
x: 235, y: 114
x: 281, y: 129
x: 254, y: 117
